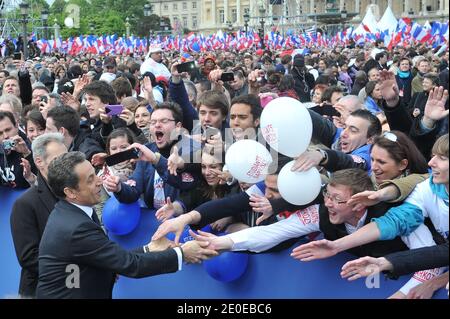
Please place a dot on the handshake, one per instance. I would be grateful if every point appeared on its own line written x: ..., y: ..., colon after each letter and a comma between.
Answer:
x: 193, y: 251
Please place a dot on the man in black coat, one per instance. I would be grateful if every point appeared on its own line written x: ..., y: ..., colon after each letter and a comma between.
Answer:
x: 67, y: 121
x: 304, y: 81
x: 76, y: 258
x: 31, y: 210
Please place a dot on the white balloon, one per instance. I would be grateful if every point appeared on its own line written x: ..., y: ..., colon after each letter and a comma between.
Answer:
x: 68, y: 22
x: 299, y: 188
x: 248, y: 161
x: 286, y: 125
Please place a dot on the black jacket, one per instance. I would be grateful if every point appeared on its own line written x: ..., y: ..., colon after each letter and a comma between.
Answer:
x: 11, y: 172
x: 100, y: 131
x: 71, y: 239
x: 404, y: 84
x: 28, y: 219
x: 84, y: 143
x: 304, y: 83
x: 406, y: 262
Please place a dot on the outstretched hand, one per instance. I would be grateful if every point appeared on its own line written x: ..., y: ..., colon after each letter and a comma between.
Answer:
x: 363, y: 267
x: 319, y: 249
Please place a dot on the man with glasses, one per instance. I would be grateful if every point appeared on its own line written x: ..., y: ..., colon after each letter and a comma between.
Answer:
x: 151, y: 176
x: 329, y: 213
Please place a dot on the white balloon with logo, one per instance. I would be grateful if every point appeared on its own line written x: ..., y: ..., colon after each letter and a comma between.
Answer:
x: 248, y: 161
x: 286, y: 125
x: 299, y: 188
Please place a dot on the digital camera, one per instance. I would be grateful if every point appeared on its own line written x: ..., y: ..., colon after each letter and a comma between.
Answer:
x: 8, y: 144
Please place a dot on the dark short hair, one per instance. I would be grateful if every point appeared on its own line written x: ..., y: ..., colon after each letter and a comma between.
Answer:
x: 9, y: 115
x: 41, y: 87
x: 251, y: 100
x: 74, y: 72
x: 176, y: 110
x: 61, y: 172
x: 67, y: 117
x: 102, y: 90
x: 328, y: 93
x: 355, y: 178
x: 433, y: 77
x: 120, y: 132
x: 380, y: 55
x: 374, y: 128
x: 36, y: 118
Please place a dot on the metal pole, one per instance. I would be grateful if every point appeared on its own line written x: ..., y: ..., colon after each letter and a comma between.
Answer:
x: 25, y: 41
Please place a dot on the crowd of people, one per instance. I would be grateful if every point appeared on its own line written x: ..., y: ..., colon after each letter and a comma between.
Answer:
x: 380, y: 142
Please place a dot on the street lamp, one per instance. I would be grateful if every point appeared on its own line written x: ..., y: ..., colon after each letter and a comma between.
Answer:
x: 57, y: 29
x: 262, y: 13
x: 343, y: 17
x: 44, y: 17
x: 246, y: 20
x: 24, y: 12
x: 127, y: 26
x: 230, y: 27
x: 91, y: 27
x: 147, y: 13
x: 162, y: 27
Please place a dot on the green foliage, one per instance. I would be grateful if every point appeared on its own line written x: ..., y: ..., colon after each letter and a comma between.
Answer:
x: 105, y: 17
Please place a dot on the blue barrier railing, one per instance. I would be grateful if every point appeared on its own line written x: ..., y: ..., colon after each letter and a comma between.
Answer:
x: 269, y: 275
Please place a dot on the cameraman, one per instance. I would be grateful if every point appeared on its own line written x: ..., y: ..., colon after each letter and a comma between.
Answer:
x: 13, y: 151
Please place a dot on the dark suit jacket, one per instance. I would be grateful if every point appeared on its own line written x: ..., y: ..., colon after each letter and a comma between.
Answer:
x: 28, y: 219
x: 71, y: 239
x: 406, y: 262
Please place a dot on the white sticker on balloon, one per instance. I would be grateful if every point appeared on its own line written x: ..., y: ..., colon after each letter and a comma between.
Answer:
x: 258, y: 168
x: 269, y: 134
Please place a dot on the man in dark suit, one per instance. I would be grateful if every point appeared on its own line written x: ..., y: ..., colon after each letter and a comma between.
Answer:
x: 76, y: 258
x: 31, y: 210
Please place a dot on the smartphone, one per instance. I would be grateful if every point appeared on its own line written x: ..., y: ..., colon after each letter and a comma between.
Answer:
x: 44, y: 99
x: 113, y: 109
x: 122, y: 157
x: 17, y: 56
x: 210, y: 131
x: 227, y: 77
x: 186, y: 67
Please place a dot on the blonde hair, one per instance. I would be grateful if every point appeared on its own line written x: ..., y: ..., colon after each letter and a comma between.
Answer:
x: 440, y: 147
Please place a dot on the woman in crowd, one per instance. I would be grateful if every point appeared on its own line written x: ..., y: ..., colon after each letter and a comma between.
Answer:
x: 34, y: 125
x: 118, y: 141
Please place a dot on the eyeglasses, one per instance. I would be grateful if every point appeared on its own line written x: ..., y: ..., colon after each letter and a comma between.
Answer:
x: 390, y: 136
x: 335, y: 200
x: 162, y: 121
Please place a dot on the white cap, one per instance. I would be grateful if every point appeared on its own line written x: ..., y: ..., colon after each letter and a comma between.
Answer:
x: 154, y: 49
x: 107, y: 77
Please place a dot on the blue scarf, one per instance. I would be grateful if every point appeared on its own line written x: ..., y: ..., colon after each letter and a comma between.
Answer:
x: 403, y: 75
x: 439, y: 190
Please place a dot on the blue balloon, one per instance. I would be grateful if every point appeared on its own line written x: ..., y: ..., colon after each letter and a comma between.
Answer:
x: 120, y: 218
x: 226, y: 267
x: 185, y: 236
